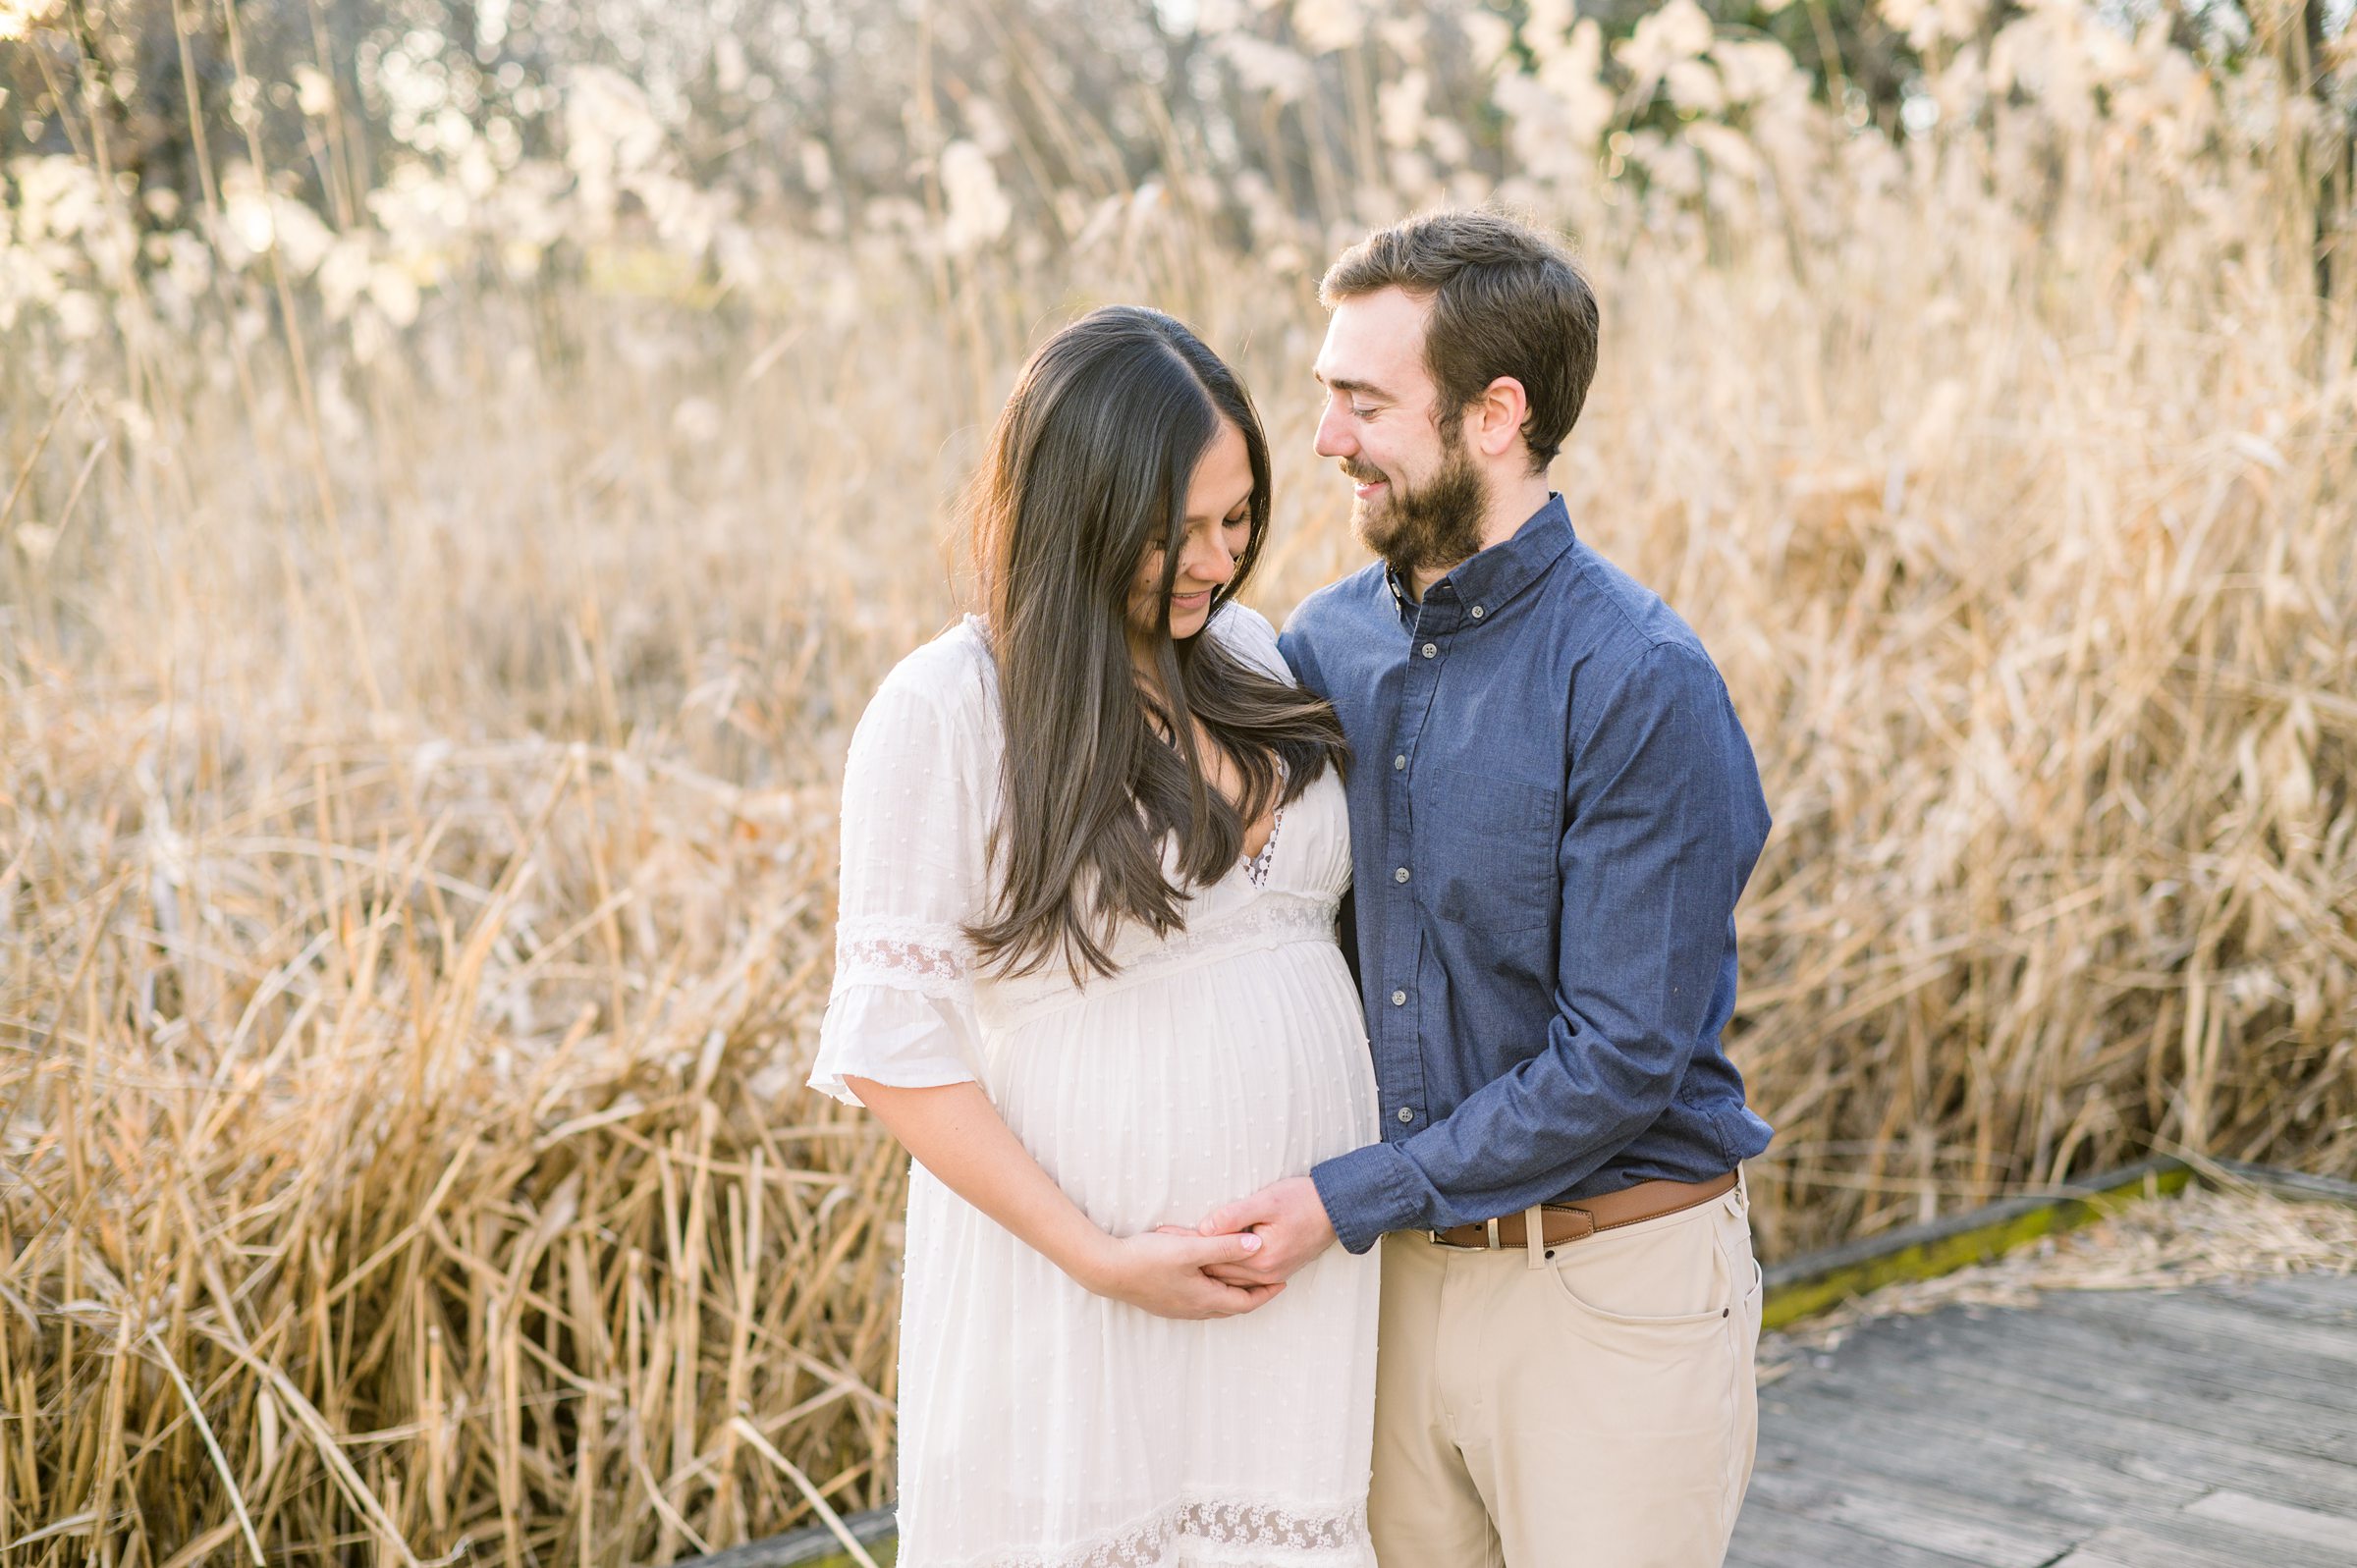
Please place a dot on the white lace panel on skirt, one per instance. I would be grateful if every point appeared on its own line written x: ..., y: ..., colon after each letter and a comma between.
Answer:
x: 1238, y: 1530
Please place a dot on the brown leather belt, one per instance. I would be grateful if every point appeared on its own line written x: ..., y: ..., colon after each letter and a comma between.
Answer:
x: 1559, y: 1222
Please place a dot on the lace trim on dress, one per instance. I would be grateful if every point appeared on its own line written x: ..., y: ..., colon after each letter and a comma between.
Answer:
x: 901, y: 955
x: 1215, y: 1530
x: 1265, y: 922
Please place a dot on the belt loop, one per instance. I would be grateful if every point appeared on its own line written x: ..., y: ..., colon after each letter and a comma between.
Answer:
x: 1494, y: 1242
x: 1534, y: 1236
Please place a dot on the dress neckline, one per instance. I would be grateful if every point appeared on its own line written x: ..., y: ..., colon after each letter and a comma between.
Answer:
x: 1256, y: 867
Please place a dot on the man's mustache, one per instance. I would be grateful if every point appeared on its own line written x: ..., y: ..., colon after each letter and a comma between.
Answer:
x: 1361, y: 474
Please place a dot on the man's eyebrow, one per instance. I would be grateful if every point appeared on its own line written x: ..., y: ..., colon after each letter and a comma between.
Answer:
x: 1346, y: 384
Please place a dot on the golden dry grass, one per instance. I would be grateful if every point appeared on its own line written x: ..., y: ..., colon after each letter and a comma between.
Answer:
x: 419, y: 782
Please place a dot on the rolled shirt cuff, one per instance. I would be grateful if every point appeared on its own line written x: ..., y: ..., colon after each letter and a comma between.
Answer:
x: 1369, y: 1191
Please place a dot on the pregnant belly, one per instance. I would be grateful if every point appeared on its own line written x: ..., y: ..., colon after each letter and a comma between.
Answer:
x: 1159, y: 1100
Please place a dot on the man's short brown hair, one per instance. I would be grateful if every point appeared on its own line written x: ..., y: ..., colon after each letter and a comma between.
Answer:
x: 1507, y: 300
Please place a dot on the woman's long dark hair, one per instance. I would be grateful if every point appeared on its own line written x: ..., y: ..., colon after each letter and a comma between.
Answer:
x: 1088, y: 469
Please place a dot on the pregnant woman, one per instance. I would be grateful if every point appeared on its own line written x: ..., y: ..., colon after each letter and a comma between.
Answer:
x: 1092, y: 846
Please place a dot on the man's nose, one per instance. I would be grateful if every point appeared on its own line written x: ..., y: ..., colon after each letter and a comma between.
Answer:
x: 1334, y: 435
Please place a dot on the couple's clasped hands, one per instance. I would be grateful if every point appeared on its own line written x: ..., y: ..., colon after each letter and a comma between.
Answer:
x: 1236, y: 1259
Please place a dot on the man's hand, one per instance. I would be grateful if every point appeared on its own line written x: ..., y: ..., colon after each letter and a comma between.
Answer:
x: 1289, y: 1219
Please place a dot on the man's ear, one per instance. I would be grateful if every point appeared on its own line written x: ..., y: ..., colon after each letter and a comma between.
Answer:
x: 1498, y: 415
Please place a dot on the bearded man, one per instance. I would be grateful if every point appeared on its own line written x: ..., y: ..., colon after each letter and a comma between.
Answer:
x: 1554, y: 811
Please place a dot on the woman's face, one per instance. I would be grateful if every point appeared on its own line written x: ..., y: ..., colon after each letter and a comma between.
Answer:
x: 1219, y: 525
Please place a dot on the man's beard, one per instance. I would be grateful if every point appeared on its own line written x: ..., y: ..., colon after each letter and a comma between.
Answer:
x: 1436, y: 525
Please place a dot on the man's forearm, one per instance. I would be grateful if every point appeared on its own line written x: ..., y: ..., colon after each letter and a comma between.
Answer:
x: 1520, y: 1139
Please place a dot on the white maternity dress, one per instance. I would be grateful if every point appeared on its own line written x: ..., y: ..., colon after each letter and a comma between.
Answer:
x: 1040, y: 1425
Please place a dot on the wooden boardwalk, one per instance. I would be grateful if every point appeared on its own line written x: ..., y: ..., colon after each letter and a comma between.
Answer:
x: 2213, y: 1427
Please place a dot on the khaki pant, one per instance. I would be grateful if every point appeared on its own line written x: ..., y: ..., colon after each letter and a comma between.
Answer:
x: 1595, y: 1409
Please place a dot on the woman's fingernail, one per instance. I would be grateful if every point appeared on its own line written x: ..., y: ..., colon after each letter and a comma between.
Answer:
x: 1251, y: 1242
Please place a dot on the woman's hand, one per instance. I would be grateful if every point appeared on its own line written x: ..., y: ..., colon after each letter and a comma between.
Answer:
x: 1162, y: 1273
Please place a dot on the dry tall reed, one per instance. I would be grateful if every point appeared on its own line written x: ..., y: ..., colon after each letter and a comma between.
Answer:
x: 419, y: 780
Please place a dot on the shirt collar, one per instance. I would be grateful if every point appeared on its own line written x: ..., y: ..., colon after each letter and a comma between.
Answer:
x: 1505, y: 567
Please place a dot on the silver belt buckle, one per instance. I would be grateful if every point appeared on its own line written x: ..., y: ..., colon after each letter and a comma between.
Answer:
x: 1494, y: 1243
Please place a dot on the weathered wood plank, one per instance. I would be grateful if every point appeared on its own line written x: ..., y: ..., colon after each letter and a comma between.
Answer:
x: 1766, y: 1536
x: 2156, y: 1366
x: 2127, y: 1547
x: 2325, y: 1289
x: 1896, y: 1511
x: 1833, y: 1431
x: 2131, y: 1440
x: 2117, y: 1383
x: 2326, y: 1350
x: 2269, y: 1307
x: 2210, y: 1543
x: 2329, y: 1299
x: 2142, y: 1448
x: 2260, y: 1516
x: 2197, y: 1356
x: 2276, y: 1426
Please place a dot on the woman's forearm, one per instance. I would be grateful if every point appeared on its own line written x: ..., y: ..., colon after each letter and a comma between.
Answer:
x: 957, y: 1133
x: 954, y: 1132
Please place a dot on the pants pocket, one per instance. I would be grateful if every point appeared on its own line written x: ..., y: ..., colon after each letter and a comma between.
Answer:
x: 1676, y: 1277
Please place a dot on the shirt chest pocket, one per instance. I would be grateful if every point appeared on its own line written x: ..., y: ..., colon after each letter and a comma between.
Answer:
x: 1485, y: 849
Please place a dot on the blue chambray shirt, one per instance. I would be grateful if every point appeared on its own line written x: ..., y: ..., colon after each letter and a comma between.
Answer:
x: 1552, y: 812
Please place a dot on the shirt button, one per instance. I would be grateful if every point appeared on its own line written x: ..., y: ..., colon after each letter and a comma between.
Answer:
x: 1432, y: 650
x: 1475, y: 612
x: 1398, y: 998
x: 1400, y: 875
x: 1399, y: 762
x: 1405, y: 1114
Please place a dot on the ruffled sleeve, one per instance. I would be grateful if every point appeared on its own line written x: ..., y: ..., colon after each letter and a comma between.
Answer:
x: 913, y: 852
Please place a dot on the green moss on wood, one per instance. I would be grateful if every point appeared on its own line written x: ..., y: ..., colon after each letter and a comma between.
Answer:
x: 1941, y: 1254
